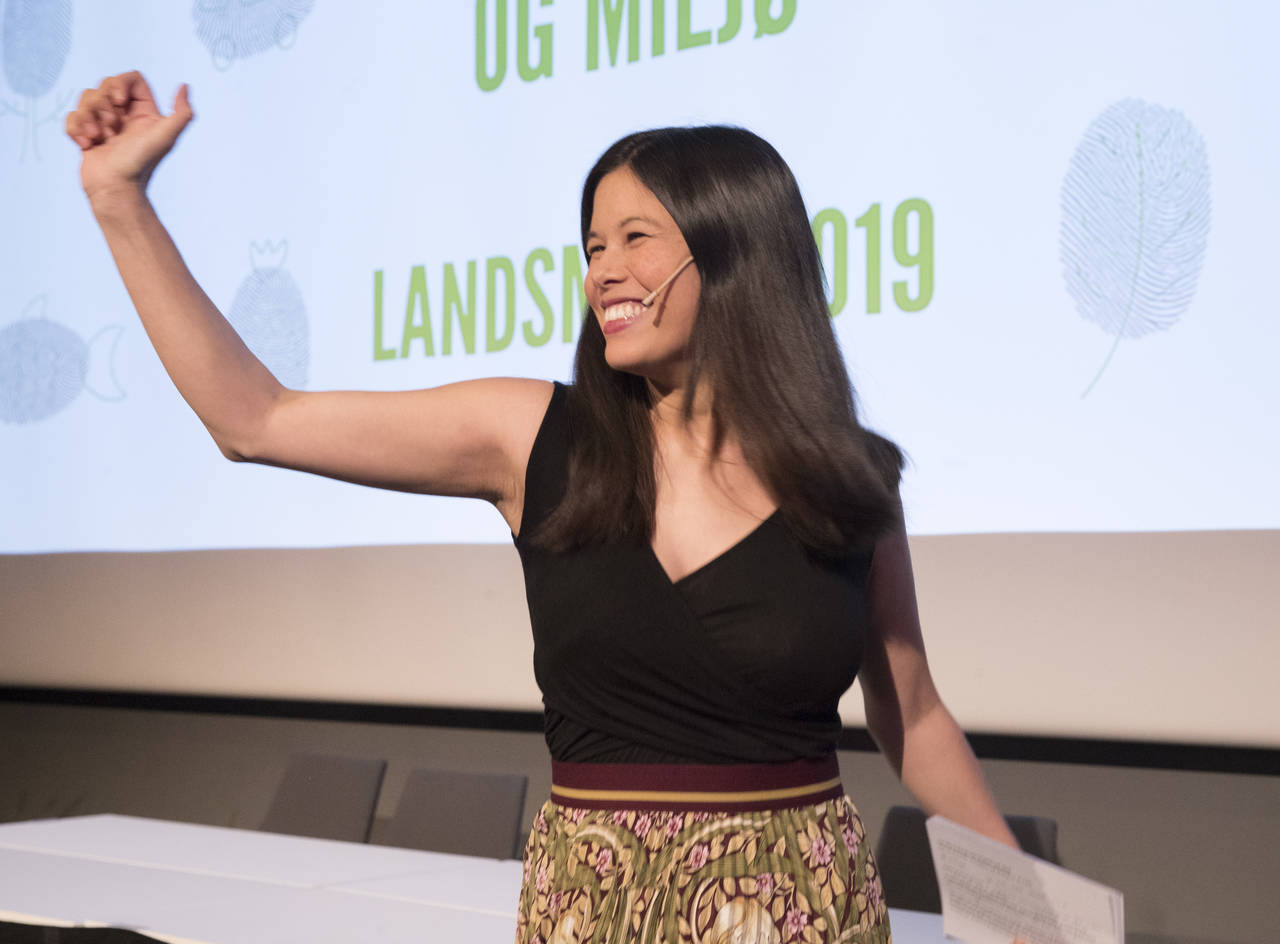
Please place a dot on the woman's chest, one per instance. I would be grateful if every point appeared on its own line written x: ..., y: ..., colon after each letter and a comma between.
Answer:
x: 703, y: 510
x: 763, y: 621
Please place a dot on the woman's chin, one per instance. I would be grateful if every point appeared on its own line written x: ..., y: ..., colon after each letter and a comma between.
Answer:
x: 620, y: 362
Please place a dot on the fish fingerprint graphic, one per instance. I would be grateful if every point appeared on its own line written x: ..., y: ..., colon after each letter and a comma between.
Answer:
x: 44, y: 365
x: 1135, y: 220
x: 35, y: 37
x: 236, y: 29
x: 269, y: 315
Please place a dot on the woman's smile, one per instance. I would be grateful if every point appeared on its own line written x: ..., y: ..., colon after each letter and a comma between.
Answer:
x: 621, y: 315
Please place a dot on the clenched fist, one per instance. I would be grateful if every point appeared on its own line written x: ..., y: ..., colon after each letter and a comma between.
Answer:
x: 122, y: 135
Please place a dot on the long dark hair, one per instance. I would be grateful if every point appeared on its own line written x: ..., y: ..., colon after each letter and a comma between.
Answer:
x: 762, y: 338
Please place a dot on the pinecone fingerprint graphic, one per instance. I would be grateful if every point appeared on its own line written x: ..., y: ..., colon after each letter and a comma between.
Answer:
x: 269, y: 314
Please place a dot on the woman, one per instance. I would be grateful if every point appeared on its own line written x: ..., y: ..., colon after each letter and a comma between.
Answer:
x: 712, y: 545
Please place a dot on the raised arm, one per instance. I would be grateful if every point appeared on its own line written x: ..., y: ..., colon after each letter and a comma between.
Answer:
x: 469, y: 439
x: 905, y: 715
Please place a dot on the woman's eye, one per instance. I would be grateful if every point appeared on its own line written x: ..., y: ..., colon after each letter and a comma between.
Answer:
x: 632, y: 237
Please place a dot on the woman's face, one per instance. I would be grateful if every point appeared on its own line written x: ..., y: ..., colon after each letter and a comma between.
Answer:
x: 633, y: 246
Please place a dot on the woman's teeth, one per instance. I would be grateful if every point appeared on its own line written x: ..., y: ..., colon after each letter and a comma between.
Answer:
x: 623, y: 311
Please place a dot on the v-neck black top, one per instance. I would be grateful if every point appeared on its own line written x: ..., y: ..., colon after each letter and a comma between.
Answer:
x: 741, y: 661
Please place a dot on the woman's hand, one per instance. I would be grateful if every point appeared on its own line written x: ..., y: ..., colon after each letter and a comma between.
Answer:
x: 122, y: 135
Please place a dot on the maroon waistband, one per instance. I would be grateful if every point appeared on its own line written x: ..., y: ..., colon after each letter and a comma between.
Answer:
x: 695, y: 787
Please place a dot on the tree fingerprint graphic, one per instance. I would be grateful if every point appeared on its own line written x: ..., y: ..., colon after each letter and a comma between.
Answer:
x: 35, y: 37
x: 44, y: 365
x: 1135, y: 220
x: 269, y: 315
x: 235, y: 29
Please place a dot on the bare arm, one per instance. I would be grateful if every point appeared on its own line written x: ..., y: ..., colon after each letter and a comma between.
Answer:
x: 229, y: 389
x: 469, y: 439
x: 905, y: 715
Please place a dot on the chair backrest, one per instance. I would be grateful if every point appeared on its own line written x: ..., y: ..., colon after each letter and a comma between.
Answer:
x: 906, y: 865
x: 327, y: 797
x: 454, y: 811
x: 1037, y: 835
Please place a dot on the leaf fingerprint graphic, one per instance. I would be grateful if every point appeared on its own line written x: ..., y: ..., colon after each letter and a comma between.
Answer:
x: 1135, y: 220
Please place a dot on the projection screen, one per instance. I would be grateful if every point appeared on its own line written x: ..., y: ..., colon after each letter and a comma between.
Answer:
x: 1044, y: 234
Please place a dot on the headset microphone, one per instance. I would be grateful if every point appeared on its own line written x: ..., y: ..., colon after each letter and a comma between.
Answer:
x: 648, y: 300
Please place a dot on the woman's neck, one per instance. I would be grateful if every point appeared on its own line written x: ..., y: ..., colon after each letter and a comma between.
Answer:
x: 667, y: 403
x: 691, y: 434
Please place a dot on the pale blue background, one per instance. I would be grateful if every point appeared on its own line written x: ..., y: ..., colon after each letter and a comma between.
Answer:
x: 368, y: 145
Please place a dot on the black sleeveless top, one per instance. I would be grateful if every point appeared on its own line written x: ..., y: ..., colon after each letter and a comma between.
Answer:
x: 741, y: 661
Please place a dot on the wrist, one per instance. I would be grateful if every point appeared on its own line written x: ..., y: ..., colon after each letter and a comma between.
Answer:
x: 118, y: 202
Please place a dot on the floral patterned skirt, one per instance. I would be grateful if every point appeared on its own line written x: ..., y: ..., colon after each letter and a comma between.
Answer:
x: 660, y: 863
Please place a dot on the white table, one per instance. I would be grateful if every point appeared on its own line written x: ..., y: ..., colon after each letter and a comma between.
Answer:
x: 232, y: 886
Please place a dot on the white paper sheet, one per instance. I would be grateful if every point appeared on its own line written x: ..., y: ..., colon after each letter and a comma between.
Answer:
x: 17, y: 917
x: 992, y: 894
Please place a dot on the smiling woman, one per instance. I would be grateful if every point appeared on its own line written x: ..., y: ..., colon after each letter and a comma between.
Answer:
x: 712, y: 550
x: 712, y: 544
x: 759, y: 364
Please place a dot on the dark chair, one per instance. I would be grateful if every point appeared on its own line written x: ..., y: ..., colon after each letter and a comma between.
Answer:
x: 326, y: 797
x: 452, y: 811
x: 906, y: 865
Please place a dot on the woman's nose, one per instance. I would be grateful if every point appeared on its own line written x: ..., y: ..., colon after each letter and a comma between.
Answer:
x: 606, y: 267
